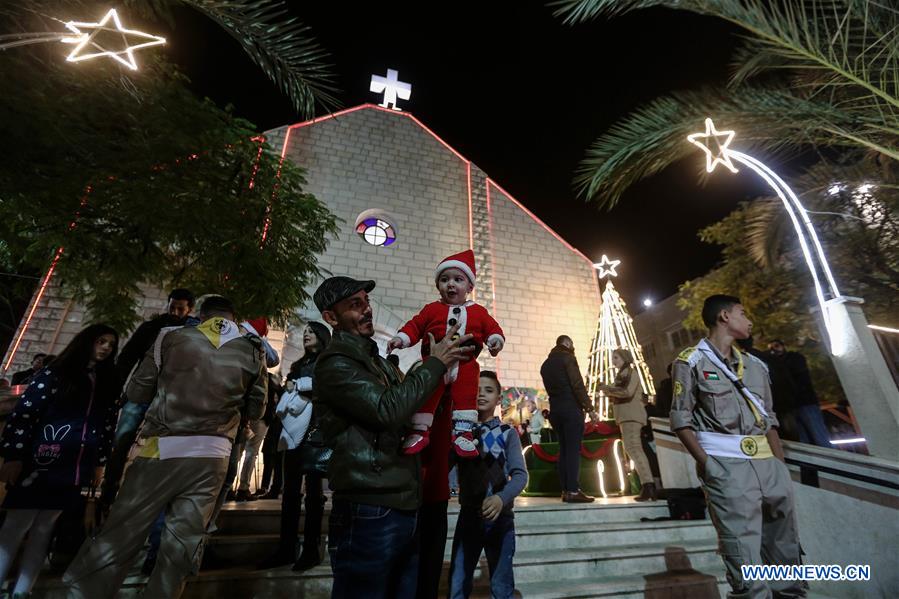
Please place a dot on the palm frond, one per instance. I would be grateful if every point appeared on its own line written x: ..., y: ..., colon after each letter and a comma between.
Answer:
x: 855, y: 41
x: 855, y: 45
x: 654, y: 136
x: 280, y: 45
x: 854, y: 199
x: 573, y: 12
x: 766, y: 229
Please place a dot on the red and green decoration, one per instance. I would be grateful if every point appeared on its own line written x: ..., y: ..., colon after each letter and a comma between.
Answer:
x: 603, y: 471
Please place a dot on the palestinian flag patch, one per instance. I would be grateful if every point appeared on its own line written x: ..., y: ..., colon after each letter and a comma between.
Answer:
x: 710, y: 375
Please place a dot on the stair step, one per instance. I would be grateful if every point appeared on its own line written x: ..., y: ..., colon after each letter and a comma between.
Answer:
x: 599, y: 543
x: 316, y: 584
x: 573, y: 572
x: 264, y: 516
x: 620, y: 586
x: 618, y: 560
x: 245, y: 549
x: 281, y: 583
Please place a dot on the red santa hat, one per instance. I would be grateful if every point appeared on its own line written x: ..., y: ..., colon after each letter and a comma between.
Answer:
x: 464, y: 261
x: 258, y: 326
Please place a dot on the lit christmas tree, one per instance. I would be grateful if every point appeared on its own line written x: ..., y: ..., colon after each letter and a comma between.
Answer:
x: 614, y: 330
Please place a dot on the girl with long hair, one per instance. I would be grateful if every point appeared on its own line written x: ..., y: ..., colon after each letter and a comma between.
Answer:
x: 298, y: 419
x: 630, y: 415
x: 55, y: 443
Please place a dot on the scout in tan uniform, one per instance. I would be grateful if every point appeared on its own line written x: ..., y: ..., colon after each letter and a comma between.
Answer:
x: 198, y: 382
x: 722, y: 413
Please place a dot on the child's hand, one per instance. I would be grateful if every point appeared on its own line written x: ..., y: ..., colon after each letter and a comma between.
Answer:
x: 491, y: 508
x: 494, y: 346
x: 394, y: 344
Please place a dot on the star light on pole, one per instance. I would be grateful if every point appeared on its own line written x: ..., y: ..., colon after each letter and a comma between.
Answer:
x: 88, y: 47
x: 607, y: 267
x: 719, y: 152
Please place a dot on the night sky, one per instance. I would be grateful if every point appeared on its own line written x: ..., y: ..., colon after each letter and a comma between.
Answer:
x: 522, y: 96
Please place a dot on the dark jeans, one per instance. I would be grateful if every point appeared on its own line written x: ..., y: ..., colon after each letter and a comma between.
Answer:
x: 432, y: 521
x: 497, y: 540
x: 290, y: 507
x: 649, y: 448
x: 811, y: 426
x: 273, y: 472
x: 240, y: 444
x: 374, y: 551
x: 569, y: 426
x: 272, y: 459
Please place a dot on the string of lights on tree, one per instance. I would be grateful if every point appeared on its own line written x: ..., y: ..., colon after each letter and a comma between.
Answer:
x: 614, y: 330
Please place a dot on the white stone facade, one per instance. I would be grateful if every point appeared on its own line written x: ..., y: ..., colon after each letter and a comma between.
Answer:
x: 530, y: 280
x: 534, y: 284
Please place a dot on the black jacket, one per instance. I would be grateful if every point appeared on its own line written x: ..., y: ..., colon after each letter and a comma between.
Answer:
x: 59, y: 435
x: 22, y: 377
x: 141, y: 341
x: 363, y: 404
x: 563, y: 383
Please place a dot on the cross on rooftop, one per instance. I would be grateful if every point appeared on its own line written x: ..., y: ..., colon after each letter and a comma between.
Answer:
x: 391, y: 87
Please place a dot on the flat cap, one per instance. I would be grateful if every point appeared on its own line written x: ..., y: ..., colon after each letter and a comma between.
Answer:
x: 334, y: 289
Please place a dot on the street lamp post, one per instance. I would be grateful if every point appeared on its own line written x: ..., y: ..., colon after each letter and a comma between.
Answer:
x: 859, y: 363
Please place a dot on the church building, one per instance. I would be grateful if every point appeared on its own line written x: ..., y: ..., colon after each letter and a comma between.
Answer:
x: 407, y: 200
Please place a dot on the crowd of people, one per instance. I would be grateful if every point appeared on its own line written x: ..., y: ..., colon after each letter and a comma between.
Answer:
x: 190, y: 396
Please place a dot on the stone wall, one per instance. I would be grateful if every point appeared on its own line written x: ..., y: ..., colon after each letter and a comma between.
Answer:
x: 58, y: 319
x: 529, y: 279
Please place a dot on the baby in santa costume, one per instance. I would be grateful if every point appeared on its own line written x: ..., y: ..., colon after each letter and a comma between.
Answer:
x: 455, y: 278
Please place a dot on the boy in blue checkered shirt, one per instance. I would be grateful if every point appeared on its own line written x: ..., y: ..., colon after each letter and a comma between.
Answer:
x: 487, y: 491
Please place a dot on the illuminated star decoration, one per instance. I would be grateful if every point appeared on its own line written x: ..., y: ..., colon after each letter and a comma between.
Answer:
x: 811, y: 247
x: 607, y: 267
x: 85, y: 40
x: 712, y: 157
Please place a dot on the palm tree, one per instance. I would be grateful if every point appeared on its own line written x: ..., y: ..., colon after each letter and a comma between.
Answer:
x: 831, y: 81
x: 280, y: 44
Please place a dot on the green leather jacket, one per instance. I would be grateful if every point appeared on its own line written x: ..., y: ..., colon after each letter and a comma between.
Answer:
x: 364, y: 403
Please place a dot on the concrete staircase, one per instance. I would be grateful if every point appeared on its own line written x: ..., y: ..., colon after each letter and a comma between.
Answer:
x: 594, y: 550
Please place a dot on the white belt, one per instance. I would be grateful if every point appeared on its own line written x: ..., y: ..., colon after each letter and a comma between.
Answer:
x: 747, y: 447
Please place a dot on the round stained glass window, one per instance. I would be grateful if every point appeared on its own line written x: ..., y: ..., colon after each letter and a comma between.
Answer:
x: 376, y: 231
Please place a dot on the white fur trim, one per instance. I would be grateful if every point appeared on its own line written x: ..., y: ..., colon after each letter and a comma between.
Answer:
x: 454, y: 264
x: 451, y: 374
x: 461, y: 318
x: 466, y: 415
x: 466, y: 445
x: 496, y: 337
x: 422, y: 421
x: 406, y: 340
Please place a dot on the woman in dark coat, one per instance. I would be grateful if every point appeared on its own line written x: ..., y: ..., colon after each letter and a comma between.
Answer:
x: 298, y: 419
x: 56, y: 443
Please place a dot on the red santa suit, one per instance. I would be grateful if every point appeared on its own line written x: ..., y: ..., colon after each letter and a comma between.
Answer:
x: 462, y: 379
x: 436, y: 318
